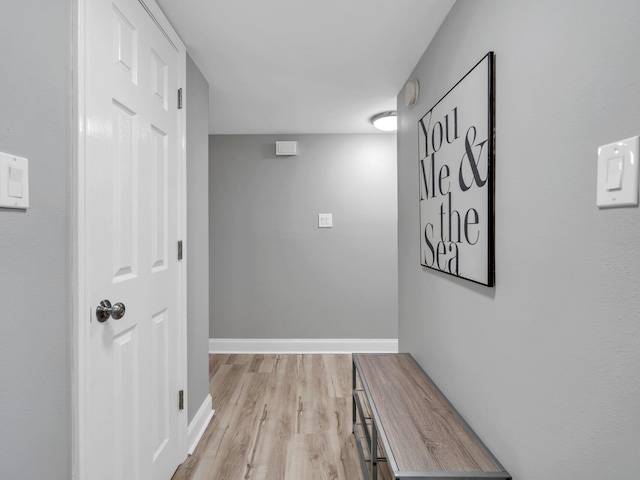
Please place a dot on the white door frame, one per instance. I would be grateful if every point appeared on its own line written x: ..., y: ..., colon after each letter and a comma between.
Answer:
x: 82, y: 310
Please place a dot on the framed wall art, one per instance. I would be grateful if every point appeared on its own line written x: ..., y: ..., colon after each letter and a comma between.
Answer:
x: 456, y: 171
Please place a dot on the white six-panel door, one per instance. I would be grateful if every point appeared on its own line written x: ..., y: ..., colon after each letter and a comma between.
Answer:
x: 133, y: 193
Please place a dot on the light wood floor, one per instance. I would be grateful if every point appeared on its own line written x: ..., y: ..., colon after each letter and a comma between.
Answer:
x: 278, y: 417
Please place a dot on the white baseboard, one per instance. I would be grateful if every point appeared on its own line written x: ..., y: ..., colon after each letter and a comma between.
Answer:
x: 257, y: 345
x: 199, y: 424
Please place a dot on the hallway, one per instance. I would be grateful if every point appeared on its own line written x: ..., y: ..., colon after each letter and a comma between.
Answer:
x: 277, y: 417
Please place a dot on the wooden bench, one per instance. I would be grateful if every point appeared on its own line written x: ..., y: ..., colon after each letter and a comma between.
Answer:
x: 405, y: 427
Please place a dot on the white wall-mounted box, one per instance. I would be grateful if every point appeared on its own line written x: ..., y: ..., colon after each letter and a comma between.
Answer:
x: 14, y: 181
x: 287, y: 148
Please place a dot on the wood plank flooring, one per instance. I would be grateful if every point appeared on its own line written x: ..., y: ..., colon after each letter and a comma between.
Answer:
x: 278, y: 417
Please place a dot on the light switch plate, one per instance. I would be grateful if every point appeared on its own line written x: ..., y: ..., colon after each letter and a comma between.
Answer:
x: 14, y: 181
x: 618, y: 173
x: 325, y: 220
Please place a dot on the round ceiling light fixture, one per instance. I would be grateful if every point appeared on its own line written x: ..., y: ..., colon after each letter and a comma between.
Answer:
x: 386, y: 121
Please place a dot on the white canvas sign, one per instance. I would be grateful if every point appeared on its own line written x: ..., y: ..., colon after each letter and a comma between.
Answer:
x: 456, y: 147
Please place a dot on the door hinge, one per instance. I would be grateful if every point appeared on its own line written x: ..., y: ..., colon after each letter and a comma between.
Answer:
x: 181, y: 400
x: 179, y: 98
x: 179, y: 249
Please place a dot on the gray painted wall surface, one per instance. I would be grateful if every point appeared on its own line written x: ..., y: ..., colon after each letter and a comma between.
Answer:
x: 274, y: 273
x: 35, y: 312
x: 546, y: 366
x: 197, y: 251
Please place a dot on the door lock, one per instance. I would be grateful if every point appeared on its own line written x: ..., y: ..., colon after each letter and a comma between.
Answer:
x: 105, y: 310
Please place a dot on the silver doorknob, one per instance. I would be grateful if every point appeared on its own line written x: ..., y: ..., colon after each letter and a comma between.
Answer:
x: 105, y: 310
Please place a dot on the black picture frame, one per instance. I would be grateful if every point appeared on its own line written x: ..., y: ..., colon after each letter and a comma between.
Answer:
x: 456, y: 156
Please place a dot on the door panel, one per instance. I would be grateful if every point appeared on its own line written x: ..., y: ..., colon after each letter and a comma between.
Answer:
x: 126, y: 392
x: 160, y: 410
x: 159, y: 79
x: 125, y: 193
x: 159, y: 180
x: 124, y: 45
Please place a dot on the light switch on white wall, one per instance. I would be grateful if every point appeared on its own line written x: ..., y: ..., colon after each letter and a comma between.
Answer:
x: 325, y: 220
x: 14, y: 181
x: 618, y: 173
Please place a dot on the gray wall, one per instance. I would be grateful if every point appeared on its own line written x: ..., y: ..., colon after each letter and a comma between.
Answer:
x: 545, y: 366
x: 197, y: 251
x: 35, y: 311
x: 274, y: 273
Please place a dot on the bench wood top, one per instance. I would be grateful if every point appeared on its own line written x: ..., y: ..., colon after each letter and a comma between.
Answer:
x: 423, y: 430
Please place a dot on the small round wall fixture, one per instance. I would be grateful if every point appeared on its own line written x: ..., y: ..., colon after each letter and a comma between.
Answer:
x: 386, y: 121
x: 411, y: 92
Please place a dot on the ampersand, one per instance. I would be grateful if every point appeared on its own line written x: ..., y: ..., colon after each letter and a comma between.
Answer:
x: 472, y: 160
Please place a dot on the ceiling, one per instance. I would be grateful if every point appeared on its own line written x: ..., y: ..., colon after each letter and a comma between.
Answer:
x: 302, y: 66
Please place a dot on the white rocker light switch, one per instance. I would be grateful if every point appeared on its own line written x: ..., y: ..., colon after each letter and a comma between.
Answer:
x: 14, y: 181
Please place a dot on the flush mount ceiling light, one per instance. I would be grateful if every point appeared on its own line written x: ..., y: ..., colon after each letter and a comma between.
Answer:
x: 386, y: 121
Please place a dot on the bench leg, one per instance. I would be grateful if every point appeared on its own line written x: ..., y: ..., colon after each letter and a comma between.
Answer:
x: 374, y: 452
x: 353, y: 398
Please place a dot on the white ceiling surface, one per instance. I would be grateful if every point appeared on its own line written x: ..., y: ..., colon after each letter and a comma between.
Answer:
x: 301, y: 66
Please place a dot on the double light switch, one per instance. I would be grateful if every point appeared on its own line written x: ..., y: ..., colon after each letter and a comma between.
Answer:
x: 14, y: 181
